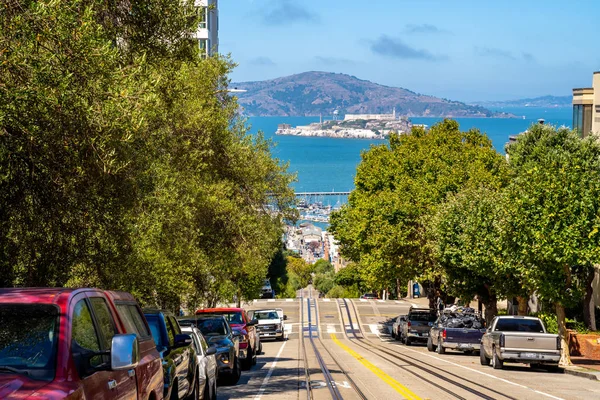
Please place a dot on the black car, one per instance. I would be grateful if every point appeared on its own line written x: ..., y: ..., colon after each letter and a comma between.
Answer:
x: 219, y: 334
x: 179, y: 357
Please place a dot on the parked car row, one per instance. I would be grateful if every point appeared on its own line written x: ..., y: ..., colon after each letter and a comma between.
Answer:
x: 509, y: 338
x: 90, y: 343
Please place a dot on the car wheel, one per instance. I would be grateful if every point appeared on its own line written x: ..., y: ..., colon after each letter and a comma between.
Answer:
x: 195, y: 394
x: 407, y: 341
x: 236, y: 373
x: 214, y: 391
x: 440, y: 349
x: 497, y: 363
x: 430, y: 345
x: 207, y: 395
x: 482, y: 358
x: 248, y: 361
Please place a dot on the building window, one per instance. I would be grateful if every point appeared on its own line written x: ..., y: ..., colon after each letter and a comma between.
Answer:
x: 203, y: 44
x: 582, y: 119
x: 202, y: 17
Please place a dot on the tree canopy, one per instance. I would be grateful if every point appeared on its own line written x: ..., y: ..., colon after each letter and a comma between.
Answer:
x: 122, y: 155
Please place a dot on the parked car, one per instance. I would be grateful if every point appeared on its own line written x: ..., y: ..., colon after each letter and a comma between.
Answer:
x: 238, y: 319
x: 179, y: 357
x: 73, y: 343
x: 267, y: 291
x: 207, y: 363
x: 519, y: 339
x: 271, y: 323
x: 457, y: 331
x: 416, y: 326
x: 398, y: 321
x: 218, y: 333
x: 372, y: 296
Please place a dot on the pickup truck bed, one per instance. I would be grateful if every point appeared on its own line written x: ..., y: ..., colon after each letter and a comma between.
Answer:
x: 445, y: 334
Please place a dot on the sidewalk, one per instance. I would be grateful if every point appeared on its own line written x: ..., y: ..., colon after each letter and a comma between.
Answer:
x: 584, y: 367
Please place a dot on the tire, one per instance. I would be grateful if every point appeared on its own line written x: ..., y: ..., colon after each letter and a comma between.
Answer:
x: 497, y: 363
x: 214, y: 391
x: 393, y: 334
x: 247, y: 363
x: 440, y: 349
x: 534, y: 366
x: 207, y: 391
x: 430, y: 345
x: 552, y: 368
x: 195, y: 395
x: 235, y: 375
x: 407, y: 341
x: 482, y: 358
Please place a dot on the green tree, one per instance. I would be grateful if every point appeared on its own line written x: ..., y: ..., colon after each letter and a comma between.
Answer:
x: 554, y: 204
x: 468, y: 239
x: 301, y: 270
x: 398, y: 187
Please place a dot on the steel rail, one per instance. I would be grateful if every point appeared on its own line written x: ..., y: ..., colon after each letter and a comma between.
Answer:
x: 416, y: 363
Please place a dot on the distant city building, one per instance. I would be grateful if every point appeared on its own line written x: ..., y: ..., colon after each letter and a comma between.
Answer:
x: 208, y: 28
x: 379, y: 117
x: 586, y: 108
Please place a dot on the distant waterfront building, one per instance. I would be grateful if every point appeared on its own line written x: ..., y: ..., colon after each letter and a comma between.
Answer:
x: 208, y: 28
x: 379, y: 117
x: 586, y: 108
x: 284, y: 126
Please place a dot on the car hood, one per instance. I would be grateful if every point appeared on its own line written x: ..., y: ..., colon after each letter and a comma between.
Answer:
x: 18, y: 386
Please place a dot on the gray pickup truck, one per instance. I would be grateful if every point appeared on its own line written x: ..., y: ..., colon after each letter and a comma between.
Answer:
x: 457, y: 331
x: 519, y: 339
x: 415, y: 326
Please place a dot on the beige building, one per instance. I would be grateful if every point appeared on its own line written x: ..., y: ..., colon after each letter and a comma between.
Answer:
x: 586, y: 108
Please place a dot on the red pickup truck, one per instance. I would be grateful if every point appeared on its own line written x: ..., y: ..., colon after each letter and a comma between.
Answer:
x: 76, y: 344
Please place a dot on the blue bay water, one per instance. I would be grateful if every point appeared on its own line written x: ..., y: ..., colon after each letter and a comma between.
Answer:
x: 327, y: 164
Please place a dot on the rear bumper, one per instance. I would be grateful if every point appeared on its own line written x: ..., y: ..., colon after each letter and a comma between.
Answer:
x: 461, y: 346
x: 421, y: 336
x: 530, y: 357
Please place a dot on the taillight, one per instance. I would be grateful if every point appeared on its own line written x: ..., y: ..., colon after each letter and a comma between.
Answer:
x: 558, y: 343
x: 408, y: 324
x: 501, y: 340
x: 444, y: 334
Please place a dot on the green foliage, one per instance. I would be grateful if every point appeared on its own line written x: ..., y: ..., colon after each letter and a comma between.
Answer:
x: 338, y: 292
x: 122, y: 155
x: 384, y: 226
x: 300, y: 270
x: 323, y: 267
x: 554, y: 207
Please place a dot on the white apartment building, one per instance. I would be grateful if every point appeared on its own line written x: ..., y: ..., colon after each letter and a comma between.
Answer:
x: 208, y: 29
x: 586, y: 108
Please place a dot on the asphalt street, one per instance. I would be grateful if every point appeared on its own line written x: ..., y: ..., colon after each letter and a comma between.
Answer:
x: 342, y: 349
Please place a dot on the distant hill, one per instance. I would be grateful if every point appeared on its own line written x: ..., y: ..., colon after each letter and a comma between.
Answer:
x: 314, y: 93
x: 542, y: 102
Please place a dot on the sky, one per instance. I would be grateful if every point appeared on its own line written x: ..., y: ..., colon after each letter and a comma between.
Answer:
x: 456, y: 49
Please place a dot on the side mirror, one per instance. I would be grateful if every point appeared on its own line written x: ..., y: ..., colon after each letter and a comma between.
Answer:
x: 236, y: 332
x: 211, y: 350
x: 252, y: 322
x: 124, y: 352
x: 182, y: 340
x: 285, y: 317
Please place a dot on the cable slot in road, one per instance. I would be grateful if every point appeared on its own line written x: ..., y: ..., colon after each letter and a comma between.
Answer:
x: 390, y: 356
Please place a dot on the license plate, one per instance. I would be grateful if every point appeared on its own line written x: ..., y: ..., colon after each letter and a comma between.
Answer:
x: 529, y: 355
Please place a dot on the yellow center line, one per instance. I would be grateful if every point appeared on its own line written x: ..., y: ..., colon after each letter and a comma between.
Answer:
x: 397, y: 386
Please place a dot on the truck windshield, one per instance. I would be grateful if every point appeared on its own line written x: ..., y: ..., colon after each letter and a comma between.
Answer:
x: 28, y: 338
x: 519, y: 325
x: 266, y: 315
x: 233, y: 317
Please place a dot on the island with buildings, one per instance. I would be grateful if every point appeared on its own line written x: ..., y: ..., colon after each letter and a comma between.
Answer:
x: 353, y: 126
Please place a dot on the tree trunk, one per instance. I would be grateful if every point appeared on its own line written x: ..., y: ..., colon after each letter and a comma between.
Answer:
x: 398, y: 286
x: 491, y: 309
x: 479, y: 305
x: 522, y: 305
x: 589, y: 316
x: 565, y: 358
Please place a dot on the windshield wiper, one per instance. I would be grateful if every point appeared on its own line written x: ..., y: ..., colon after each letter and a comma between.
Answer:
x: 6, y: 368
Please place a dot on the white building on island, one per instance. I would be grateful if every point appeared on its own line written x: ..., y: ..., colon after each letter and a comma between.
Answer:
x: 378, y: 117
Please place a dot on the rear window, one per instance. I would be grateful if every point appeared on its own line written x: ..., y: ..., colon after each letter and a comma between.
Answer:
x: 519, y: 325
x: 28, y: 338
x: 133, y: 319
x: 154, y: 324
x: 231, y: 317
x: 423, y: 317
x: 212, y: 327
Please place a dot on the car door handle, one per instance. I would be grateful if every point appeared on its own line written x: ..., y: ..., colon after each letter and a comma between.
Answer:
x: 131, y: 373
x: 112, y: 384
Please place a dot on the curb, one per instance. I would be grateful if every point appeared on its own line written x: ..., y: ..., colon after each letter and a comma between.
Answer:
x: 595, y: 376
